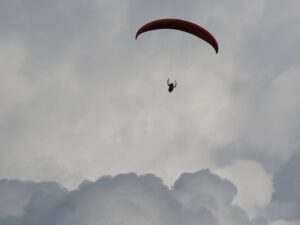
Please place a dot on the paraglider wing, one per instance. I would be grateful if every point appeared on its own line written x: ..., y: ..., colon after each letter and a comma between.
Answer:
x: 181, y: 25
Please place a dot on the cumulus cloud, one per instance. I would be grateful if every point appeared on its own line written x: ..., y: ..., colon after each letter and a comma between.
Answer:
x: 195, y: 198
x: 254, y: 185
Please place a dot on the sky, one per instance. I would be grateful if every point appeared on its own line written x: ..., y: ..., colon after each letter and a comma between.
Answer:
x: 90, y: 135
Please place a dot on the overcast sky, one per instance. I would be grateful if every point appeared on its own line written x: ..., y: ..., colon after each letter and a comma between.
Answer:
x: 80, y: 99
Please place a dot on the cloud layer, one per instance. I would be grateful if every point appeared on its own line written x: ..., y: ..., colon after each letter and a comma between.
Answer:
x: 196, y: 198
x: 80, y: 98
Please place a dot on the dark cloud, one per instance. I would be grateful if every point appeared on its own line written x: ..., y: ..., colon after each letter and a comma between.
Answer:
x: 18, y: 196
x: 286, y: 197
x: 124, y: 199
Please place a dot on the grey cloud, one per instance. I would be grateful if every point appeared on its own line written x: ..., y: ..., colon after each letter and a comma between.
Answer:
x: 286, y: 197
x: 16, y: 196
x: 84, y: 84
x: 124, y: 199
x: 266, y: 88
x: 286, y: 183
x: 80, y: 98
x: 203, y: 191
x: 273, y: 43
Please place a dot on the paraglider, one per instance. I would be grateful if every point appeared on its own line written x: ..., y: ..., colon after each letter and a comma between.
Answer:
x: 171, y: 85
x: 180, y: 25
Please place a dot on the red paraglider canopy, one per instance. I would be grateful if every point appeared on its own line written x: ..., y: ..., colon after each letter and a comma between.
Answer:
x: 181, y: 25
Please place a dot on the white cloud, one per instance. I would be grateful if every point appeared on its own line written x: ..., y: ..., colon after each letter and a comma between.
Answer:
x: 254, y: 185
